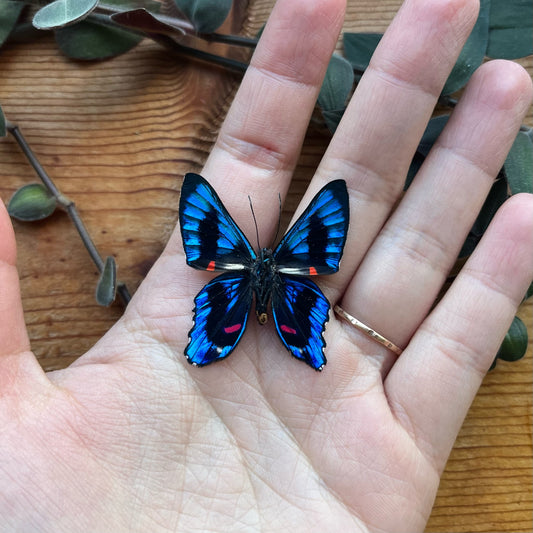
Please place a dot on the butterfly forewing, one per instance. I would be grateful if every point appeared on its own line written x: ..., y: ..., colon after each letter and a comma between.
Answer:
x: 314, y: 244
x: 211, y: 238
x: 221, y: 313
x: 300, y: 313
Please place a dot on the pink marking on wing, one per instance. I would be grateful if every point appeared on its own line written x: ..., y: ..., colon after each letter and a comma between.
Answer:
x: 232, y: 329
x: 287, y: 329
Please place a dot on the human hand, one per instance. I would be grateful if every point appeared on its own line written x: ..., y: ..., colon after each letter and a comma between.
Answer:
x: 132, y: 438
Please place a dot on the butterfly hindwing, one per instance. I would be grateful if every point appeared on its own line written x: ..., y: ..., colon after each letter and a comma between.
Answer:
x: 300, y: 314
x: 211, y: 238
x: 314, y: 244
x: 220, y: 316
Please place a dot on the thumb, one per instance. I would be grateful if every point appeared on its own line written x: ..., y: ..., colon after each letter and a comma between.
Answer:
x: 13, y: 333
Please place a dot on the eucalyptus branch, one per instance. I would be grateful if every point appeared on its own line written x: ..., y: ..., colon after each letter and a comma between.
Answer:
x: 226, y: 62
x: 67, y: 205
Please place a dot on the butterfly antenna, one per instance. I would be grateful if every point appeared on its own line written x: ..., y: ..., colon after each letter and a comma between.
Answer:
x: 279, y: 221
x: 255, y: 222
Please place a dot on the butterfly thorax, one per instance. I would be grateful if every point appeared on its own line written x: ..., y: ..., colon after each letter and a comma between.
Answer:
x: 264, y: 277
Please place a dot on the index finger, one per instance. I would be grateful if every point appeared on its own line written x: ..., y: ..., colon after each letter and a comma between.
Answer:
x: 259, y: 143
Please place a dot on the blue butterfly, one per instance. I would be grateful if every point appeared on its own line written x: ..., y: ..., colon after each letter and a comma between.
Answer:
x: 212, y: 241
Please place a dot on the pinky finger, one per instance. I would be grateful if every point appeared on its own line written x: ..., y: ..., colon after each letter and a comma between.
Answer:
x: 435, y: 380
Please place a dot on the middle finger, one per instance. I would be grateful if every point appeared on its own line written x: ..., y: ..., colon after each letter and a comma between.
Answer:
x: 378, y: 135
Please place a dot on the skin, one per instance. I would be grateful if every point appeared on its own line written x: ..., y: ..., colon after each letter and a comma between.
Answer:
x: 132, y: 438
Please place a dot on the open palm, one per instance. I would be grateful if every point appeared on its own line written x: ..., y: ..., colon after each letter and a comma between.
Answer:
x: 132, y: 438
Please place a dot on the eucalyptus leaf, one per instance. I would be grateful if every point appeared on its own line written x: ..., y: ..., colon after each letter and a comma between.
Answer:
x: 206, y: 15
x: 359, y: 47
x: 519, y: 165
x: 473, y: 52
x: 336, y: 88
x: 88, y: 40
x: 62, y: 13
x: 9, y: 15
x: 32, y: 202
x: 529, y: 292
x: 430, y: 135
x: 107, y: 284
x: 414, y: 167
x: 127, y: 5
x: 332, y: 118
x: 511, y: 29
x: 495, y: 199
x: 514, y: 344
x: 3, y: 129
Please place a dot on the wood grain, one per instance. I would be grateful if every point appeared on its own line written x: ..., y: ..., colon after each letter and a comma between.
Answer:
x: 117, y: 136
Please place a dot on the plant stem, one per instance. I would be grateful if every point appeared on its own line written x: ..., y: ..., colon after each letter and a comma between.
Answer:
x: 230, y: 64
x: 234, y: 40
x: 68, y: 205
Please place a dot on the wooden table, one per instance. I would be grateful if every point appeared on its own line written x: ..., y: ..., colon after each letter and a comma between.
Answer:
x: 116, y: 136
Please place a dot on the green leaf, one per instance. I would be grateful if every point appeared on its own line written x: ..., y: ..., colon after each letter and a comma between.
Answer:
x: 89, y: 40
x: 414, y: 167
x: 472, y: 54
x: 430, y: 135
x: 206, y: 15
x: 3, y: 129
x: 511, y: 29
x: 127, y: 5
x: 359, y: 47
x: 107, y: 284
x: 495, y: 199
x: 62, y: 13
x: 336, y: 88
x: 32, y: 202
x: 529, y: 292
x: 518, y: 166
x: 9, y: 15
x: 514, y: 344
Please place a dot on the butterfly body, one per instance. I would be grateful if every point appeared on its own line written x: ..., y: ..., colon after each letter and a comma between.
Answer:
x: 264, y: 279
x: 213, y: 241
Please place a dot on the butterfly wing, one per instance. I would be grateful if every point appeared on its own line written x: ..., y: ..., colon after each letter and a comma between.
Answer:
x: 300, y: 314
x: 211, y: 238
x: 220, y: 317
x: 315, y: 242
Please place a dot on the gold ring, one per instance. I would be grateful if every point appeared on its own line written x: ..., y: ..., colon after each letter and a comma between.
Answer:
x: 367, y: 331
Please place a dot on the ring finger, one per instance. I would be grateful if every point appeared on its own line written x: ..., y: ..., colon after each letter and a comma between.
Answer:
x: 404, y: 270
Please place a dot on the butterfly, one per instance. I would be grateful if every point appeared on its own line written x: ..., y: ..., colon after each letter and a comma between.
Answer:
x: 212, y: 241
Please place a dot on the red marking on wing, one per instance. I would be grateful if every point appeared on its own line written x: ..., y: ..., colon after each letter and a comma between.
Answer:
x: 232, y: 329
x: 287, y: 329
x: 312, y: 271
x: 211, y: 266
